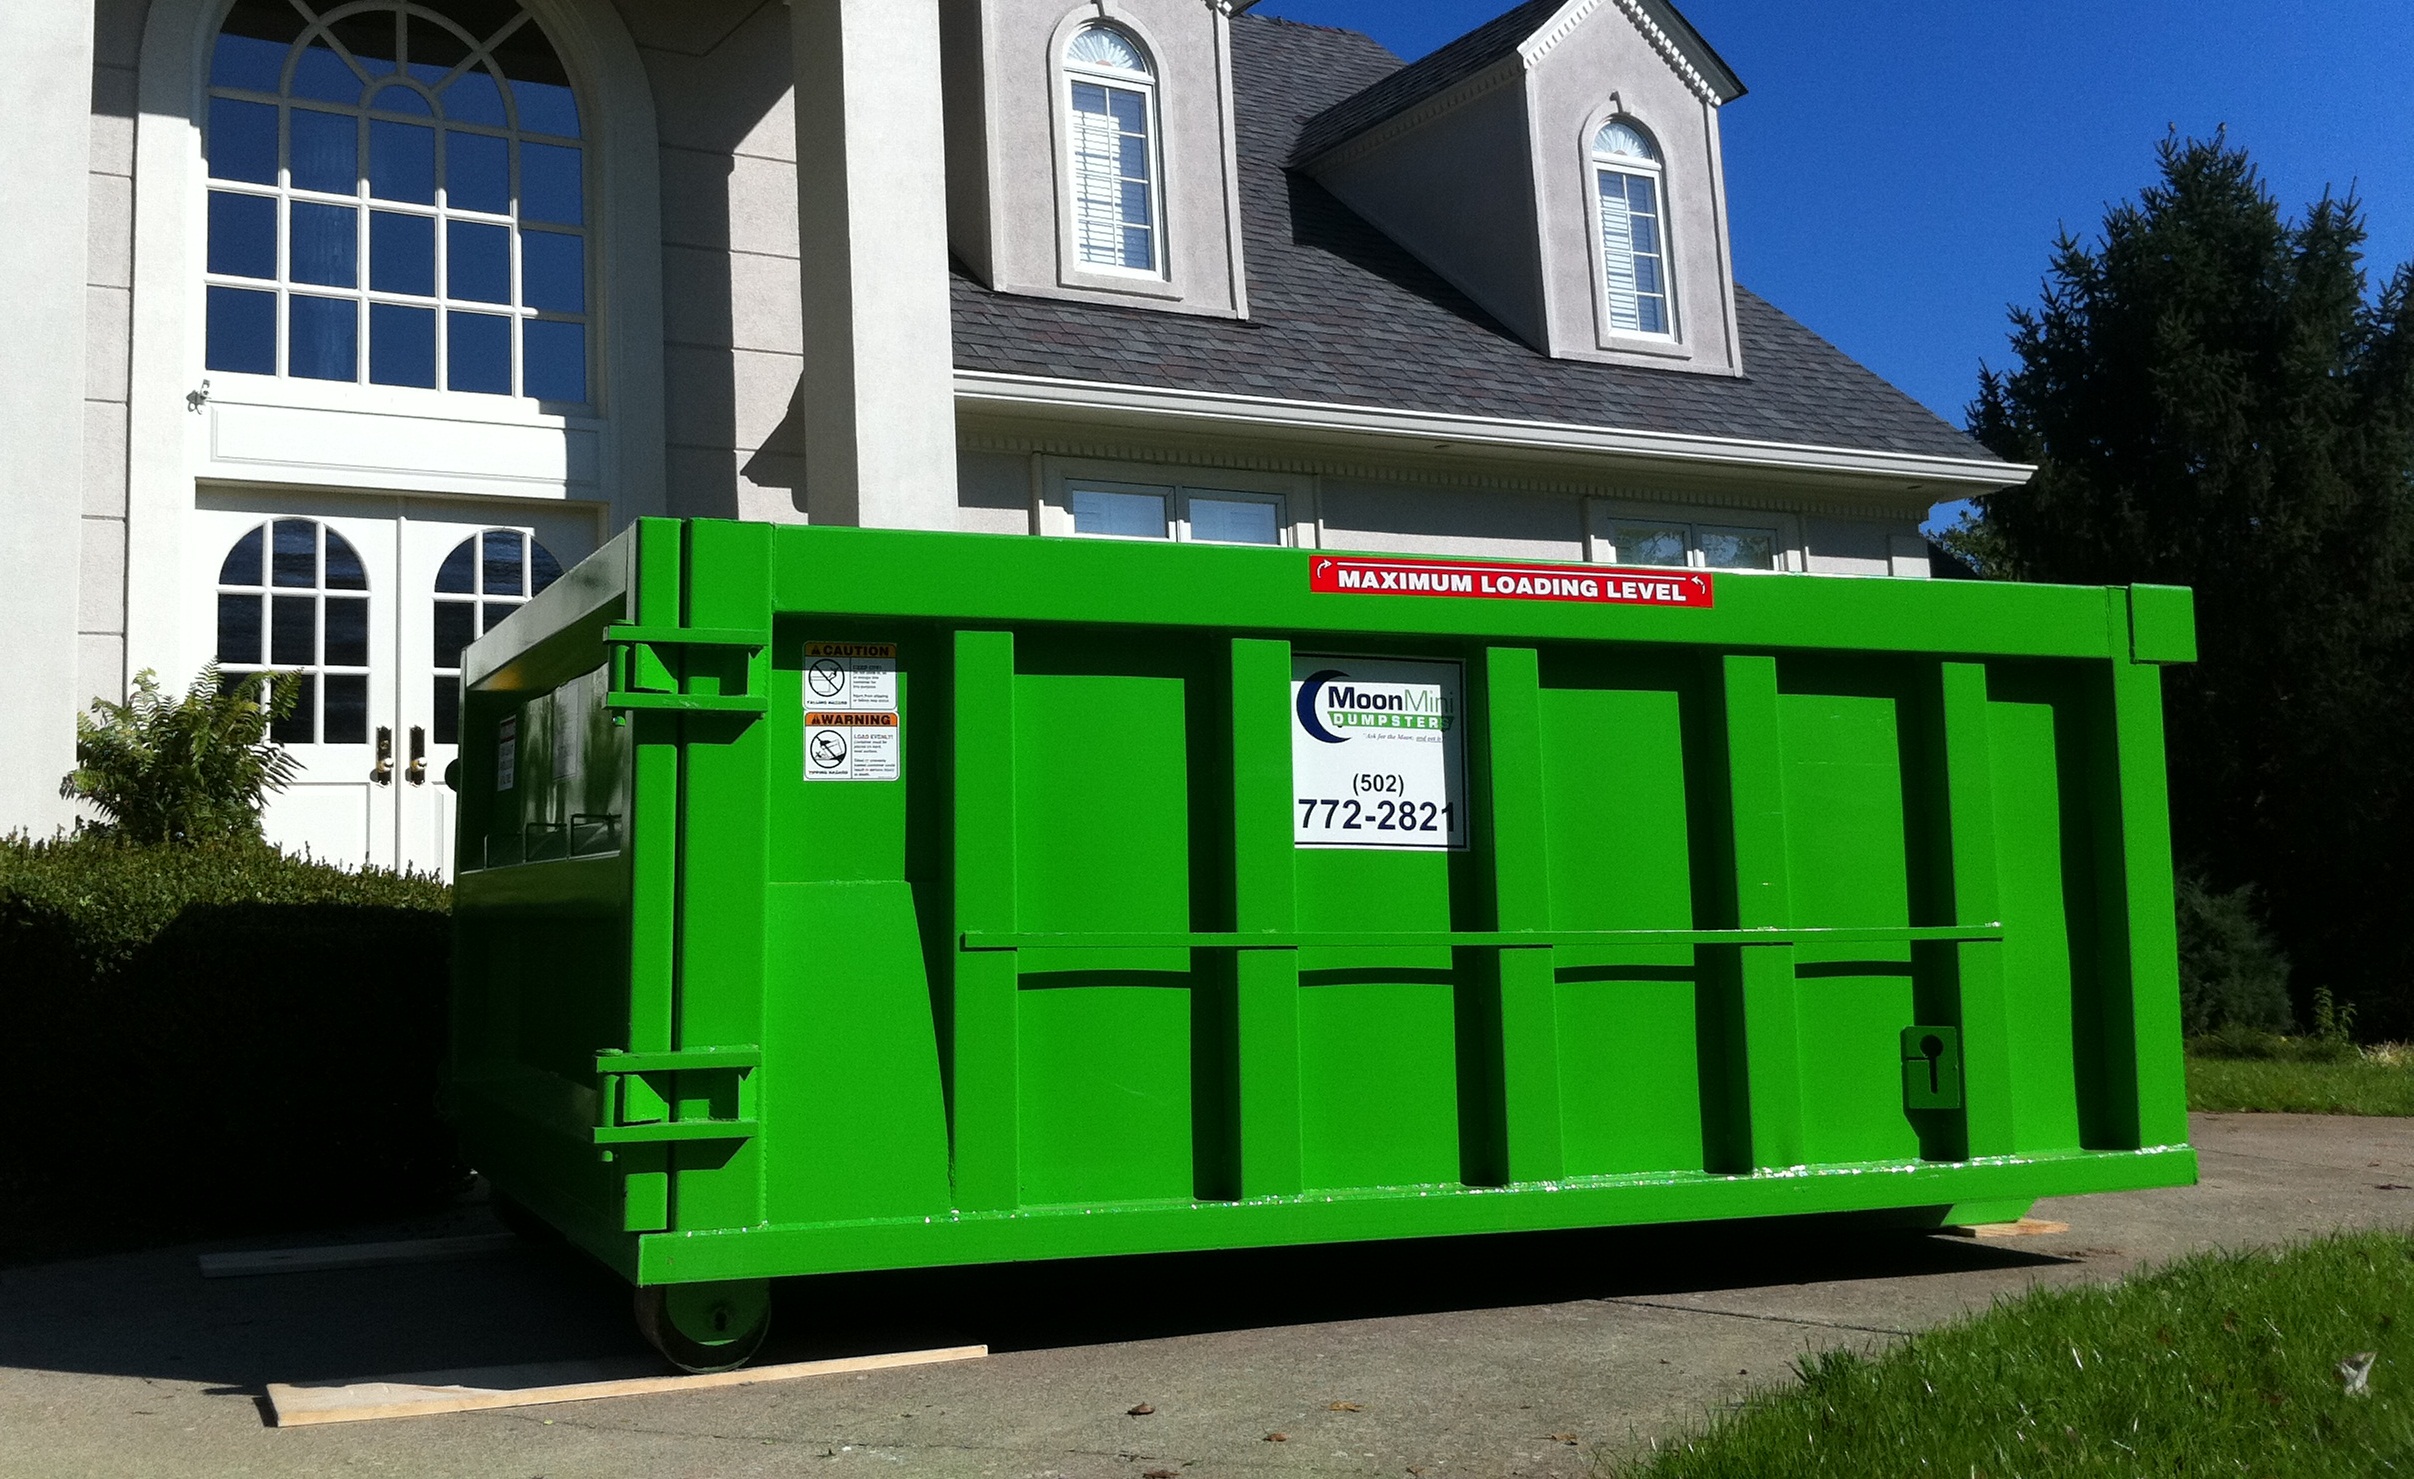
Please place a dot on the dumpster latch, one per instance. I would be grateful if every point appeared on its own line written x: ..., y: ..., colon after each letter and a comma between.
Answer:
x: 1932, y: 1068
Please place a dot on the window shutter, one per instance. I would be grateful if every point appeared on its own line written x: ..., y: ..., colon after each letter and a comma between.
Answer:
x: 1617, y: 252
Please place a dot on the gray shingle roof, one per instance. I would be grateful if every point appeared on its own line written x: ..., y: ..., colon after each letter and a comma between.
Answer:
x: 1429, y: 76
x: 1341, y: 314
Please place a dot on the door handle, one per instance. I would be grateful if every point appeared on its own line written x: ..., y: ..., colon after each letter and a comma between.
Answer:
x: 417, y: 773
x: 383, y: 771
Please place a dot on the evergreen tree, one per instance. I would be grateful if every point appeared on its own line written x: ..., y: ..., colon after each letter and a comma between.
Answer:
x: 2213, y: 398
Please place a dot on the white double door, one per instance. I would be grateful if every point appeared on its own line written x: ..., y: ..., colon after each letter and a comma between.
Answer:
x: 366, y: 603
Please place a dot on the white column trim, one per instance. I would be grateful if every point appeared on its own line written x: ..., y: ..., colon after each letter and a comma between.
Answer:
x: 45, y: 199
x: 877, y: 399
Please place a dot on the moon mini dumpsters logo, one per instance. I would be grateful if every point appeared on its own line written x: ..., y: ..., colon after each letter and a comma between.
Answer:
x: 1376, y: 763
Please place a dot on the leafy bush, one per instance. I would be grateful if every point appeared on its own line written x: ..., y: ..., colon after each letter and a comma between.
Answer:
x: 2231, y: 972
x: 193, y: 769
x: 224, y: 1039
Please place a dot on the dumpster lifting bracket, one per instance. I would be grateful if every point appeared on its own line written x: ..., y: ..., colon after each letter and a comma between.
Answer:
x: 613, y: 1069
x: 641, y: 663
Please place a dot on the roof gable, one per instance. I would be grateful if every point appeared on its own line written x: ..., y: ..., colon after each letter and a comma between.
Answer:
x: 1525, y: 35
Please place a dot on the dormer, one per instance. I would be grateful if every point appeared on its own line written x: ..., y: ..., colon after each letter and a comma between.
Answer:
x: 1090, y: 151
x: 1559, y: 165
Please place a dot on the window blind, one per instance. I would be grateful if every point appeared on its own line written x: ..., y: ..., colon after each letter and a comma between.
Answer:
x: 1114, y: 205
x: 1633, y: 257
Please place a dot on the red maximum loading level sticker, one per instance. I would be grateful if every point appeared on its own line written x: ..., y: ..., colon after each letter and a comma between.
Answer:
x: 1331, y: 574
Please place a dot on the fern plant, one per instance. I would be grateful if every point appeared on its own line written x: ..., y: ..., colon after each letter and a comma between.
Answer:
x: 188, y: 769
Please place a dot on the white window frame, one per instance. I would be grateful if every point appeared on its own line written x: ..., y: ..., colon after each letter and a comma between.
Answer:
x: 1605, y: 514
x: 1654, y: 170
x: 191, y: 425
x: 1072, y: 73
x: 283, y: 389
x: 364, y: 205
x: 1292, y: 496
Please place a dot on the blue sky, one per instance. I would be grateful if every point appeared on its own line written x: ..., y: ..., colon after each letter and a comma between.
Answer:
x: 1898, y: 170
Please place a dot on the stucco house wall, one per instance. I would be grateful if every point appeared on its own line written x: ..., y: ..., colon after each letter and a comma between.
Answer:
x: 1569, y: 101
x: 1009, y: 214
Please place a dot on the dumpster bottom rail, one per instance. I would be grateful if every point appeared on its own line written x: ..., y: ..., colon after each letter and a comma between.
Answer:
x: 1087, y: 1230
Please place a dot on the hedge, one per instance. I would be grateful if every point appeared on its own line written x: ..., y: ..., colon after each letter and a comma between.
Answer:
x: 215, y: 1040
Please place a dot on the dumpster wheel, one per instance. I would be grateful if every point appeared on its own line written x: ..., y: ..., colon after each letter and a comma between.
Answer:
x: 706, y: 1327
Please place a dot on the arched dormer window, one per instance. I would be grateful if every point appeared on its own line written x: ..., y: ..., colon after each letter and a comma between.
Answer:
x: 397, y: 197
x: 1629, y: 180
x: 1111, y: 132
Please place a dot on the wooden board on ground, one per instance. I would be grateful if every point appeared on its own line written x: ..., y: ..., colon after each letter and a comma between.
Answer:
x: 352, y: 1255
x: 427, y: 1393
x: 2026, y: 1227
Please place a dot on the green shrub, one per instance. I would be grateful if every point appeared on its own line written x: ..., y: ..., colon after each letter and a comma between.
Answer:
x: 223, y: 1038
x: 193, y: 769
x: 2231, y: 973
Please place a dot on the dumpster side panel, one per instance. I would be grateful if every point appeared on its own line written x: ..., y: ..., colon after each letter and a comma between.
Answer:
x: 1620, y: 839
x: 1849, y: 866
x: 1102, y: 842
x: 1378, y: 1026
x: 2047, y: 888
x: 854, y: 1122
x: 2142, y: 1047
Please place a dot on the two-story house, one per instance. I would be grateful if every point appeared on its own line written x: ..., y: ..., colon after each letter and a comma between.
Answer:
x: 340, y: 327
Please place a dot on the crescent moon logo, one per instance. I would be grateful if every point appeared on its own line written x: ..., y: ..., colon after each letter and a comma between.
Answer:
x: 1307, y: 707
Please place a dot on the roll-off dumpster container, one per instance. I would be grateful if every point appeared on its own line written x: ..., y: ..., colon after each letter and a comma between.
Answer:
x: 835, y: 899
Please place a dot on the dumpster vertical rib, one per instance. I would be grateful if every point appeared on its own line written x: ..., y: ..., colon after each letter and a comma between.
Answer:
x: 1771, y: 1023
x: 2142, y: 1027
x: 1265, y: 899
x: 654, y: 817
x: 987, y: 1131
x: 1970, y: 804
x: 724, y: 868
x: 1529, y: 1005
x: 654, y: 808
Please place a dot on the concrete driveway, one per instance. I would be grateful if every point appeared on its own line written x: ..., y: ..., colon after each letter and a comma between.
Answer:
x: 1527, y: 1355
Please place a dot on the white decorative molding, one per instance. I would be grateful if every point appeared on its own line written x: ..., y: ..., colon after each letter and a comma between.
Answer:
x: 350, y: 449
x: 1933, y: 479
x: 1564, y: 24
x: 1205, y: 460
x: 1492, y: 78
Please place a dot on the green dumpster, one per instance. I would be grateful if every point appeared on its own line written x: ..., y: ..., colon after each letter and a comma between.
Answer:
x: 836, y: 899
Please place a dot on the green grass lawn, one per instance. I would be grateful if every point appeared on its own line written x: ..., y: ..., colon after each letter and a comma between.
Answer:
x: 2259, y: 1072
x: 2357, y: 1086
x: 2223, y: 1364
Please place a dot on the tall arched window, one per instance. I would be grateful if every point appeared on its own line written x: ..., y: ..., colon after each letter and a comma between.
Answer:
x: 1634, y: 238
x: 397, y: 197
x: 487, y: 577
x: 1111, y: 131
x: 293, y: 597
